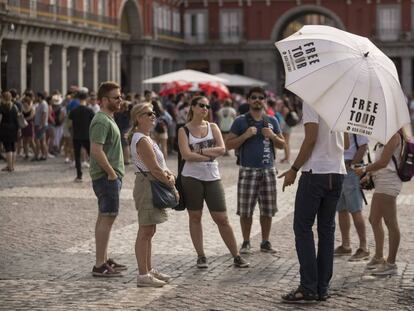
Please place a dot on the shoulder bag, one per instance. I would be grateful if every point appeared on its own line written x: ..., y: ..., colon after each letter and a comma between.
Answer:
x: 163, y: 196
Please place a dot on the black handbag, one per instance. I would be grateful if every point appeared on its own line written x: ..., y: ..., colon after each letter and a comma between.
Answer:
x: 163, y: 196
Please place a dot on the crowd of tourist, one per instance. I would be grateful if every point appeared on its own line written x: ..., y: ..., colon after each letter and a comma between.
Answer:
x: 107, y: 130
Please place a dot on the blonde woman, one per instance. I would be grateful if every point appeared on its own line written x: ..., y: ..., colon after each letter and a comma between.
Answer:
x: 201, y: 179
x: 147, y: 156
x: 384, y: 203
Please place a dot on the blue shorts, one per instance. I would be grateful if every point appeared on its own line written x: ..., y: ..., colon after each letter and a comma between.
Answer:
x: 351, y: 196
x: 107, y: 192
x: 40, y: 132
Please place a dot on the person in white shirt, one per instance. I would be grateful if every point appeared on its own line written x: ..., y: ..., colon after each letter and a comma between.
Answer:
x: 350, y: 201
x: 321, y: 158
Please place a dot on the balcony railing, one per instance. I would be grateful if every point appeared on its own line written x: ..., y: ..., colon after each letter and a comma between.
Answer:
x: 170, y: 35
x: 217, y: 38
x: 61, y: 13
x: 388, y: 34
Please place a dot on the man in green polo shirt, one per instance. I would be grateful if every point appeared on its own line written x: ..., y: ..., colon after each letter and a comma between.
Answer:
x: 106, y: 170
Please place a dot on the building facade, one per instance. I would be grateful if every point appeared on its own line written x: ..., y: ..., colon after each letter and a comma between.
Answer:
x: 53, y: 44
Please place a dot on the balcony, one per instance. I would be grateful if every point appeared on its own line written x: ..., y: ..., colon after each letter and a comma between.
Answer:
x: 217, y: 38
x: 169, y: 35
x: 64, y: 14
x: 387, y: 34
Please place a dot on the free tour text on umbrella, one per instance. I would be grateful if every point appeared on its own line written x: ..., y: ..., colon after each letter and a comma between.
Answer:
x: 363, y: 111
x: 301, y: 56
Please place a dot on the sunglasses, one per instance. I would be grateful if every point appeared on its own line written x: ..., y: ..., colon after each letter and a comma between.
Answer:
x: 207, y: 106
x: 115, y: 98
x: 254, y: 97
x: 148, y: 114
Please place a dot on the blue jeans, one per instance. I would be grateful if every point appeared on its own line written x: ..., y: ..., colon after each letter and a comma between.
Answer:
x: 317, y: 195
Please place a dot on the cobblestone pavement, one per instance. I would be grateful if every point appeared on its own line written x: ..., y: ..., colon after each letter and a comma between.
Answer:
x: 47, y: 252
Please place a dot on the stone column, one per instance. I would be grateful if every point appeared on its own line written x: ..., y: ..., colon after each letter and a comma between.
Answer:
x: 112, y: 66
x: 80, y: 67
x: 64, y: 69
x: 95, y: 70
x: 407, y: 75
x: 117, y: 66
x: 3, y: 84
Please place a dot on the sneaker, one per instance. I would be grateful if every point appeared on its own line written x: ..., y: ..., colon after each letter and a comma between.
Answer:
x: 160, y: 276
x: 78, y: 179
x: 148, y: 280
x: 374, y: 263
x: 105, y: 271
x: 359, y: 255
x: 266, y: 247
x: 116, y: 266
x: 67, y: 160
x: 239, y: 262
x: 202, y: 262
x: 85, y: 164
x: 245, y: 248
x: 385, y: 269
x: 50, y: 156
x: 342, y: 251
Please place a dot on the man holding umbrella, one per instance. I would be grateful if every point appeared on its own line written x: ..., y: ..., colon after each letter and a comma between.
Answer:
x: 321, y: 158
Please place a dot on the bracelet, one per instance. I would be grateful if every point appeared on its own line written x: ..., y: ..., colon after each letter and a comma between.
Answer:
x: 294, y: 168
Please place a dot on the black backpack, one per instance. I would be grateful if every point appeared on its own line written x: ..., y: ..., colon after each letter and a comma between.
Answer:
x: 251, y: 122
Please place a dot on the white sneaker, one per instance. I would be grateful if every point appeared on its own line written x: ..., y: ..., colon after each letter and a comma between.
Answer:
x: 148, y: 280
x: 50, y: 156
x: 67, y: 160
x: 160, y: 276
x: 374, y: 263
x: 85, y: 164
x: 386, y: 269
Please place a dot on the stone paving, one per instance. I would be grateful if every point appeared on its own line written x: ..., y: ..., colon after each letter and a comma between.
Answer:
x: 47, y: 252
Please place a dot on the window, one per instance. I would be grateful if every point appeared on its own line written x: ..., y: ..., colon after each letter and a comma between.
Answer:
x: 33, y: 7
x: 388, y: 22
x: 230, y: 26
x: 196, y: 26
x: 176, y: 22
x: 102, y: 7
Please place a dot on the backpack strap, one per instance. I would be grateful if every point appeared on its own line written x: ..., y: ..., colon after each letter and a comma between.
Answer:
x: 181, y: 161
x: 394, y: 159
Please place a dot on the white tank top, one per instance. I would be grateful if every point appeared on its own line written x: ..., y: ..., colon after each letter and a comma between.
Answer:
x: 379, y: 148
x: 136, y: 158
x: 206, y: 171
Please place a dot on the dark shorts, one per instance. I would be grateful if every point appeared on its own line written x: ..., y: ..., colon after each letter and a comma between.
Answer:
x: 9, y: 146
x: 107, y: 192
x: 197, y: 191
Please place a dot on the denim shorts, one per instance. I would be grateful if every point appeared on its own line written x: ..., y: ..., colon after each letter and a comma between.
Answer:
x: 40, y: 132
x: 351, y: 196
x: 107, y: 192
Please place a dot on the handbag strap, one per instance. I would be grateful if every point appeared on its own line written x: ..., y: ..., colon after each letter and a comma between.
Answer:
x: 142, y: 172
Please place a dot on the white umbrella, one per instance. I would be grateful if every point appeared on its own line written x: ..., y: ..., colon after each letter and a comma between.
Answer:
x: 186, y: 75
x: 352, y: 84
x: 240, y: 80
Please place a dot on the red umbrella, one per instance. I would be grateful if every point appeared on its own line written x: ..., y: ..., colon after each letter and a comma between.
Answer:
x: 219, y: 88
x: 174, y: 87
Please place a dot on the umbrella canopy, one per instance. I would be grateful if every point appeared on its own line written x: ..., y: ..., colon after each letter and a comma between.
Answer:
x: 210, y: 87
x: 174, y: 88
x: 186, y: 75
x: 351, y: 84
x: 239, y: 80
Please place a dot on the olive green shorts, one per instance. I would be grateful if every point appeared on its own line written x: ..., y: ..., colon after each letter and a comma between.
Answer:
x: 197, y: 191
x: 148, y: 214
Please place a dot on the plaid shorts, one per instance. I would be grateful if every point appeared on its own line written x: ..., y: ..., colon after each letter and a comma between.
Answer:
x: 256, y: 185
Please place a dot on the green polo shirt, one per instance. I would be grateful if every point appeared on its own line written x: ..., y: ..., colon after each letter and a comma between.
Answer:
x: 104, y: 131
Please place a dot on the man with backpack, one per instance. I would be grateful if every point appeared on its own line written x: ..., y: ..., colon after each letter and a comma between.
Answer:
x: 254, y: 136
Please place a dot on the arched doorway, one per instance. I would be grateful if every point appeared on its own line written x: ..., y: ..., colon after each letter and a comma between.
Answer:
x: 130, y: 23
x: 291, y: 22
